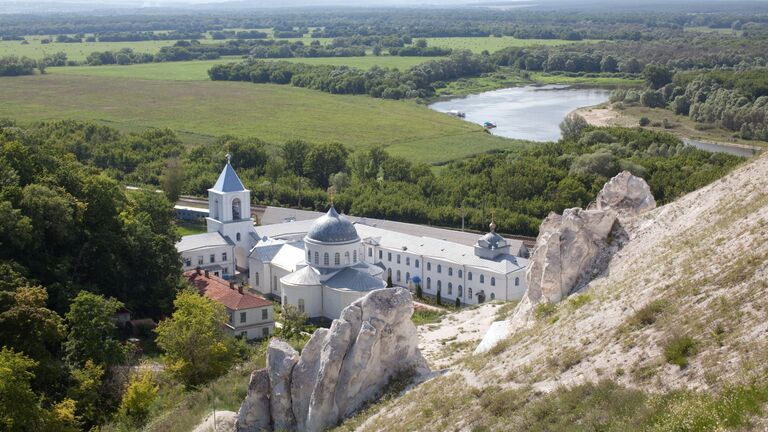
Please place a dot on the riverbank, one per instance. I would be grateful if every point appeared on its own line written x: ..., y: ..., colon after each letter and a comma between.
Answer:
x: 684, y: 128
x: 506, y: 78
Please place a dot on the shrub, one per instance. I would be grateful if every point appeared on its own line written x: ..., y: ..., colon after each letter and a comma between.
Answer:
x: 648, y: 314
x: 544, y: 310
x: 678, y: 349
x: 645, y: 121
x: 138, y: 398
x: 579, y: 300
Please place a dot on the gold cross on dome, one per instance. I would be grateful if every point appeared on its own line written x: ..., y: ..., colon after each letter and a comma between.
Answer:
x: 331, y: 194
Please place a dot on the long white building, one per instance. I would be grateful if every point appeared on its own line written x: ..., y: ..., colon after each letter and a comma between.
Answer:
x: 322, y: 264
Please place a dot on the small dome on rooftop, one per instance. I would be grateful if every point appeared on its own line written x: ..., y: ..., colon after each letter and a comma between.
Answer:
x: 332, y: 228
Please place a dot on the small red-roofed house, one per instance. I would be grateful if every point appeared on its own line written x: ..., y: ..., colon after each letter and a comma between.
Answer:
x: 250, y: 316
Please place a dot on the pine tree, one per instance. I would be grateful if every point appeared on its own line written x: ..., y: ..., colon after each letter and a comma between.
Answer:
x: 389, y: 281
x: 419, y: 293
x: 439, y: 298
x: 458, y: 303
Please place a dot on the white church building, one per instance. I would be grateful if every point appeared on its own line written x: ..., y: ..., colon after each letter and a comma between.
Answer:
x: 322, y: 264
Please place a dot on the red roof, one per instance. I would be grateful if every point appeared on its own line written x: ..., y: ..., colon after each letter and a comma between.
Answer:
x: 218, y: 290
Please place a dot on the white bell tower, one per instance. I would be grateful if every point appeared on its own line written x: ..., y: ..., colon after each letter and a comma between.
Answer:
x: 229, y: 205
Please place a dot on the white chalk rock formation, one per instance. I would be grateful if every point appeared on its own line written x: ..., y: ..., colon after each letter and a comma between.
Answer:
x: 626, y: 194
x: 220, y: 421
x: 339, y: 369
x: 575, y: 247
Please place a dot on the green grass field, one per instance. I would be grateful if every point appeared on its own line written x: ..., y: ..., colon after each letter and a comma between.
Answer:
x: 201, y: 110
x: 544, y: 78
x: 79, y: 51
x: 478, y: 44
x: 198, y: 70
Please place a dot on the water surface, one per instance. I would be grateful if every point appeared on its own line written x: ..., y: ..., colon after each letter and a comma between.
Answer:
x: 530, y: 113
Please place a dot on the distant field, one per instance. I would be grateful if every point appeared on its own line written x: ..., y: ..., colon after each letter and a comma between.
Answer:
x: 198, y: 70
x: 478, y: 44
x: 543, y: 78
x: 79, y: 51
x: 200, y: 110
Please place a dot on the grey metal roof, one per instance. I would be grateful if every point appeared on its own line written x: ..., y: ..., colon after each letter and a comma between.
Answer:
x: 228, y: 181
x: 332, y: 228
x: 282, y: 215
x: 202, y: 241
x: 492, y: 240
x: 355, y: 279
x: 305, y: 276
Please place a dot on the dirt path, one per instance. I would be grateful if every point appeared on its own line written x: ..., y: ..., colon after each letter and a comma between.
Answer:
x: 457, y: 334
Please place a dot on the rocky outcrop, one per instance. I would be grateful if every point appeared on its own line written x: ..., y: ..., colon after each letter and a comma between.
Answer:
x: 339, y: 369
x: 566, y: 251
x: 626, y: 194
x: 574, y: 247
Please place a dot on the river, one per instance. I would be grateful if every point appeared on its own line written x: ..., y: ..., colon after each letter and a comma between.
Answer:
x: 534, y: 113
x: 530, y: 113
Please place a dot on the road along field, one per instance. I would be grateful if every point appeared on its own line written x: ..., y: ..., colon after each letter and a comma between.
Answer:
x: 198, y: 70
x: 201, y: 110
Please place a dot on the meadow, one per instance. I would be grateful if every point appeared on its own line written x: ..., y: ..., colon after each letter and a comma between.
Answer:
x: 79, y: 51
x: 198, y: 70
x: 491, y: 43
x: 202, y: 110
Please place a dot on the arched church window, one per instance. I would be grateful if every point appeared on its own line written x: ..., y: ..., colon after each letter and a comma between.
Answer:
x: 257, y: 278
x: 407, y: 276
x: 439, y: 268
x: 317, y: 258
x: 450, y: 271
x: 337, y: 259
x: 237, y: 236
x: 325, y: 259
x: 429, y: 283
x: 216, y: 209
x: 309, y: 256
x: 461, y: 273
x: 301, y: 305
x: 439, y: 284
x: 469, y: 293
x: 482, y: 278
x: 346, y: 258
x: 493, y: 296
x: 236, y: 207
x: 354, y: 256
x: 493, y: 281
x: 429, y: 266
x: 517, y: 281
x: 469, y: 275
x: 460, y: 291
x: 416, y: 262
x: 398, y: 275
x: 450, y: 288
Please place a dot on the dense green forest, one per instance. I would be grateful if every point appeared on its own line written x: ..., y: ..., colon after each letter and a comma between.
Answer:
x: 524, y: 184
x: 642, y: 23
x: 734, y: 100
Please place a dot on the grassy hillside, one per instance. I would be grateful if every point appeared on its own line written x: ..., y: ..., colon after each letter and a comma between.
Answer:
x: 670, y: 338
x: 201, y: 110
x: 198, y: 70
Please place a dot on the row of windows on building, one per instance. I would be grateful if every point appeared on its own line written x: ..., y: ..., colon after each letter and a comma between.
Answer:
x: 429, y: 268
x: 336, y: 258
x: 201, y: 261
x: 243, y: 316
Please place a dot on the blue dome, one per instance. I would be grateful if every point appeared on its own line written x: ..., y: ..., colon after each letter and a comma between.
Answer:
x: 332, y: 228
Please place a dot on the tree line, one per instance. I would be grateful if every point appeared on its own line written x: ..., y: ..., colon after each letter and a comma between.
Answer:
x: 732, y: 99
x: 417, y: 81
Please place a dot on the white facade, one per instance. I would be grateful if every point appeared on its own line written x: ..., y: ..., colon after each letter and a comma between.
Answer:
x: 210, y: 251
x: 254, y: 323
x: 324, y: 264
x: 229, y: 218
